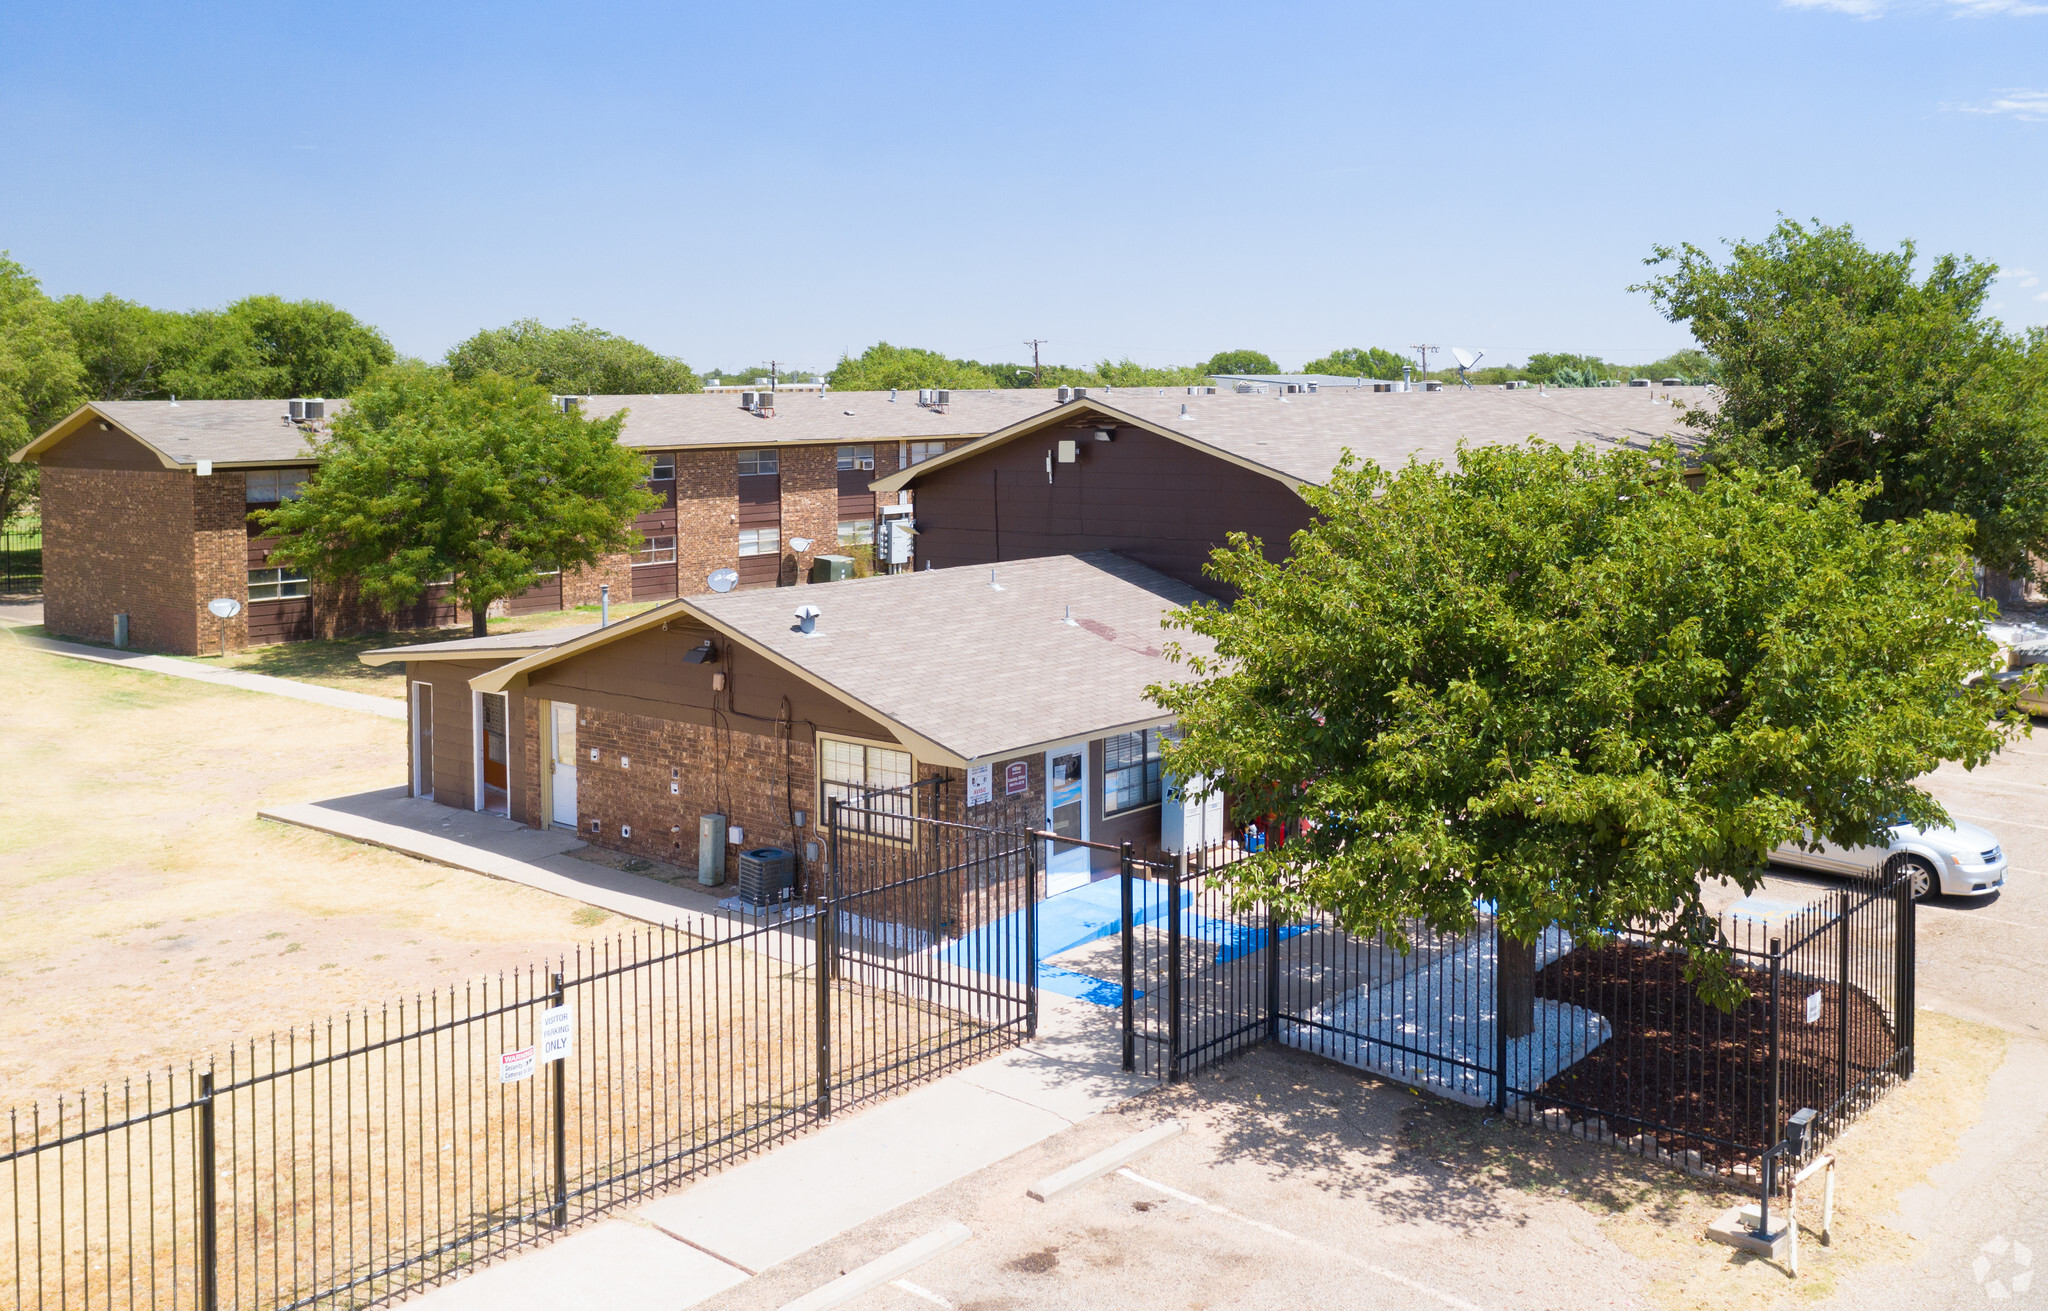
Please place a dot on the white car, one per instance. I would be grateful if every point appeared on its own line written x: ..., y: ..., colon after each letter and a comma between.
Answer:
x: 1964, y: 861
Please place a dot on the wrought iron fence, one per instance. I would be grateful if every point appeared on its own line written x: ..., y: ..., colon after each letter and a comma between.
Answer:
x: 342, y: 1164
x: 21, y: 557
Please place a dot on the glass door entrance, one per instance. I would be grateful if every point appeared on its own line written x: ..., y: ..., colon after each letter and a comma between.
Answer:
x: 1067, y: 864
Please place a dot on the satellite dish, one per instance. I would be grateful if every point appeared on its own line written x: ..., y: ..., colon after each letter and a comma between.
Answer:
x: 800, y: 543
x: 1466, y: 359
x: 224, y: 607
x: 723, y: 580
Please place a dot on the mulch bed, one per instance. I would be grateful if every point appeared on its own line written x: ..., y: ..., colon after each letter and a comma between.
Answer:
x: 1695, y: 1077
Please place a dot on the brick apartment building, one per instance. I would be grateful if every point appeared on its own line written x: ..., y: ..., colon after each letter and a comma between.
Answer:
x: 145, y: 505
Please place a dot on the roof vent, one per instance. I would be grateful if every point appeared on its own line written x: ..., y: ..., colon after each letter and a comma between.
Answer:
x: 807, y: 619
x: 892, y: 393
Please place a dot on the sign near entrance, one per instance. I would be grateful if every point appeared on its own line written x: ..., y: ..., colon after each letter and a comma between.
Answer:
x: 1813, y: 1009
x: 980, y: 784
x: 1016, y: 778
x: 557, y: 1033
x: 515, y: 1066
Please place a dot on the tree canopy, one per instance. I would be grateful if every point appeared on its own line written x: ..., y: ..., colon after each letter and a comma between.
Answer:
x: 428, y: 476
x: 41, y: 379
x: 907, y: 368
x: 1357, y: 362
x: 1562, y: 682
x: 1239, y: 362
x: 578, y: 360
x: 1837, y: 361
x: 259, y: 346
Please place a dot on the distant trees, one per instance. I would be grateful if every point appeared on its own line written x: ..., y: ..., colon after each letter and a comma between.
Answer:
x: 483, y: 481
x: 907, y: 368
x: 1354, y: 362
x: 1836, y: 360
x: 576, y: 360
x: 1240, y: 362
x: 259, y: 346
x: 41, y: 379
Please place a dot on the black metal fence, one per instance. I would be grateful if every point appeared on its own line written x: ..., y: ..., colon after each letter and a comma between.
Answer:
x: 21, y: 557
x: 1606, y: 1039
x: 344, y: 1163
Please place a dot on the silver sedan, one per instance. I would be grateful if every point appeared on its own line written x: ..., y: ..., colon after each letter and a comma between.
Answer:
x: 1964, y: 861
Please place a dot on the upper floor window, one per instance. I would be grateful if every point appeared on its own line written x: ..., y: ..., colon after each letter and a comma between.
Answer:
x: 760, y: 541
x: 278, y: 584
x: 922, y: 451
x: 269, y: 486
x: 856, y: 532
x: 662, y: 468
x: 856, y: 457
x: 753, y: 462
x: 656, y: 550
x: 1130, y: 770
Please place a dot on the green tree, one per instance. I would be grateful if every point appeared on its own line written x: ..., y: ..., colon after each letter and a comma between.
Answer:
x: 1562, y: 369
x: 1692, y: 364
x: 1239, y: 362
x: 127, y: 349
x: 41, y: 379
x: 1837, y: 361
x: 907, y: 368
x: 1562, y: 682
x: 1129, y: 373
x: 578, y: 360
x: 266, y: 346
x: 428, y: 476
x: 1357, y: 362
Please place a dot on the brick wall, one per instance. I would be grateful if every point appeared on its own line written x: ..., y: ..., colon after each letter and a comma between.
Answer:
x: 707, y: 516
x: 810, y: 506
x: 120, y: 540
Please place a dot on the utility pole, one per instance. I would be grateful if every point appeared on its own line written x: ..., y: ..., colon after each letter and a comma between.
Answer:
x: 1037, y: 370
x: 1424, y: 351
x: 771, y: 375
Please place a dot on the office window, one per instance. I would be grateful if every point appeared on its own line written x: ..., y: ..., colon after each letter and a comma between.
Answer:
x: 757, y: 462
x: 277, y: 584
x: 656, y: 550
x: 1130, y: 770
x: 856, y: 532
x: 856, y: 457
x: 760, y: 541
x: 270, y: 486
x: 662, y: 468
x: 852, y: 772
x: 922, y: 451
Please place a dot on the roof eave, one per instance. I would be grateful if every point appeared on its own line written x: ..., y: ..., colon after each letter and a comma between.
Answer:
x: 67, y: 427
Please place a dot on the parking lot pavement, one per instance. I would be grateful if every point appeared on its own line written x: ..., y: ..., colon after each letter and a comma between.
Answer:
x: 1295, y: 1185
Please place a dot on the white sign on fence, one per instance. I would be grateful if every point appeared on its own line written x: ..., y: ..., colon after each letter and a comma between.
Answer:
x: 557, y: 1033
x: 1813, y: 1009
x: 515, y: 1066
x: 980, y: 784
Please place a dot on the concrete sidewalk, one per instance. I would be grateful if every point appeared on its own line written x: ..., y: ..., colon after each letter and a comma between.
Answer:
x: 500, y: 847
x: 685, y: 1248
x: 388, y: 706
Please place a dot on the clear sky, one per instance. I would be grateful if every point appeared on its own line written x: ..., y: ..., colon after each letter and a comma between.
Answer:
x: 1162, y: 181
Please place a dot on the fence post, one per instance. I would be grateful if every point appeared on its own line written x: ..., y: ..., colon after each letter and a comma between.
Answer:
x: 1906, y: 947
x: 1775, y: 1037
x: 1031, y: 942
x: 559, y: 1076
x: 1272, y: 971
x: 821, y: 952
x: 1180, y: 873
x: 1127, y: 931
x: 209, y: 1186
x: 1842, y: 1014
x: 1500, y: 1022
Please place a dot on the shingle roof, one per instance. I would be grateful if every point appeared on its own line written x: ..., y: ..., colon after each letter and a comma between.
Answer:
x: 226, y: 432
x: 1302, y: 437
x: 496, y: 646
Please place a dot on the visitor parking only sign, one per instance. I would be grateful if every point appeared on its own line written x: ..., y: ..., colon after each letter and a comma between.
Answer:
x: 557, y: 1033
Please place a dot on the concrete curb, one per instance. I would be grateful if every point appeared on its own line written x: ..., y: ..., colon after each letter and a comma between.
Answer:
x: 882, y: 1269
x: 1104, y: 1161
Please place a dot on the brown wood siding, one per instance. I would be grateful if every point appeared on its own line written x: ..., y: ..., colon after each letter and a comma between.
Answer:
x: 455, y: 733
x: 91, y: 448
x: 654, y: 582
x: 1163, y: 504
x: 760, y: 500
x: 541, y: 597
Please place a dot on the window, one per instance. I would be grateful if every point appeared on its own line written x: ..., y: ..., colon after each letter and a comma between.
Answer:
x: 852, y: 772
x: 856, y: 532
x: 662, y: 468
x: 856, y: 457
x: 1130, y: 770
x: 269, y: 486
x: 656, y: 550
x: 277, y: 584
x: 922, y: 451
x: 756, y: 462
x: 760, y: 541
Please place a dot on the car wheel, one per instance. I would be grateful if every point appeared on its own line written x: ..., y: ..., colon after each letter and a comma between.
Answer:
x: 1922, y: 878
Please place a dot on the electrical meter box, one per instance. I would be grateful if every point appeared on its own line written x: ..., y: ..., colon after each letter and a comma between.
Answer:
x: 1190, y: 815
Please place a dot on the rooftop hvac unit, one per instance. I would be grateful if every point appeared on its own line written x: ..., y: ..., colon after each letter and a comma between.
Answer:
x: 298, y: 411
x: 749, y: 399
x: 316, y: 409
x: 1313, y: 386
x: 924, y: 396
x: 1065, y: 394
x: 767, y: 876
x: 1638, y: 382
x: 1671, y: 382
x: 1080, y: 393
x: 942, y: 397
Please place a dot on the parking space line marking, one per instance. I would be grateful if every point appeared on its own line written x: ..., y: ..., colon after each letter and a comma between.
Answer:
x: 1448, y: 1299
x: 920, y: 1290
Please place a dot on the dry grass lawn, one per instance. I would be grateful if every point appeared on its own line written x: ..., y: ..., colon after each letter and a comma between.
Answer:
x: 147, y: 916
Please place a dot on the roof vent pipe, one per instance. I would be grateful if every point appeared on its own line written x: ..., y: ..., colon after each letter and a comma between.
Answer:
x: 1070, y: 618
x: 993, y: 585
x: 807, y: 619
x: 892, y: 393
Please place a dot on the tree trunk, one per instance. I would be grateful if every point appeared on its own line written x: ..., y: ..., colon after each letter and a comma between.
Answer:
x: 1515, y: 983
x: 480, y: 621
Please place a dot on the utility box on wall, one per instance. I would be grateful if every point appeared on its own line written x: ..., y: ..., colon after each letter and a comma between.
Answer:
x: 831, y: 568
x: 1188, y: 823
x: 711, y: 850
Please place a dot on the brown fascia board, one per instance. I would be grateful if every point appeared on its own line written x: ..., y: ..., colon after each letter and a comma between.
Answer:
x: 515, y: 673
x: 1062, y: 416
x: 427, y: 652
x: 68, y: 426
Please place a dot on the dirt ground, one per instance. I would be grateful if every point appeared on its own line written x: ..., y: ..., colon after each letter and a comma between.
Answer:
x: 147, y: 916
x: 1301, y: 1183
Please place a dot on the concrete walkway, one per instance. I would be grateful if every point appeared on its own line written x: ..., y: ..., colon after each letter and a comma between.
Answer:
x: 682, y: 1249
x: 388, y: 706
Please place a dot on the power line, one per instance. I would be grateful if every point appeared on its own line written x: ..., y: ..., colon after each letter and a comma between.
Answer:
x: 1037, y: 370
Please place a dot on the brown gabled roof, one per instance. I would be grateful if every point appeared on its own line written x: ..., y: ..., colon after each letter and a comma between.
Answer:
x: 182, y: 433
x: 499, y: 646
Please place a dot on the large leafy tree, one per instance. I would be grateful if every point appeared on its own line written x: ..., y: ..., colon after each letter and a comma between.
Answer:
x: 266, y: 346
x: 1359, y: 362
x: 883, y: 366
x: 1838, y: 360
x: 578, y: 360
x: 1562, y: 682
x: 127, y: 349
x: 1239, y: 362
x: 428, y: 476
x: 40, y: 377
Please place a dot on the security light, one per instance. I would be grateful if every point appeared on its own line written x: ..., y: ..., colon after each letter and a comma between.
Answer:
x: 701, y: 653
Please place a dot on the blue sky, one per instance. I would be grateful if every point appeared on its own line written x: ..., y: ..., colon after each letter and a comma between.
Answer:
x: 1152, y: 180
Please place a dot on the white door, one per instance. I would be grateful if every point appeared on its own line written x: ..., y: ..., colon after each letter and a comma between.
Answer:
x: 562, y: 763
x: 423, y: 739
x: 1066, y: 813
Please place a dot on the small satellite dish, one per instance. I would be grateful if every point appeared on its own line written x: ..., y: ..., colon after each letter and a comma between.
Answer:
x: 723, y: 580
x: 1466, y: 359
x: 799, y: 543
x: 224, y: 607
